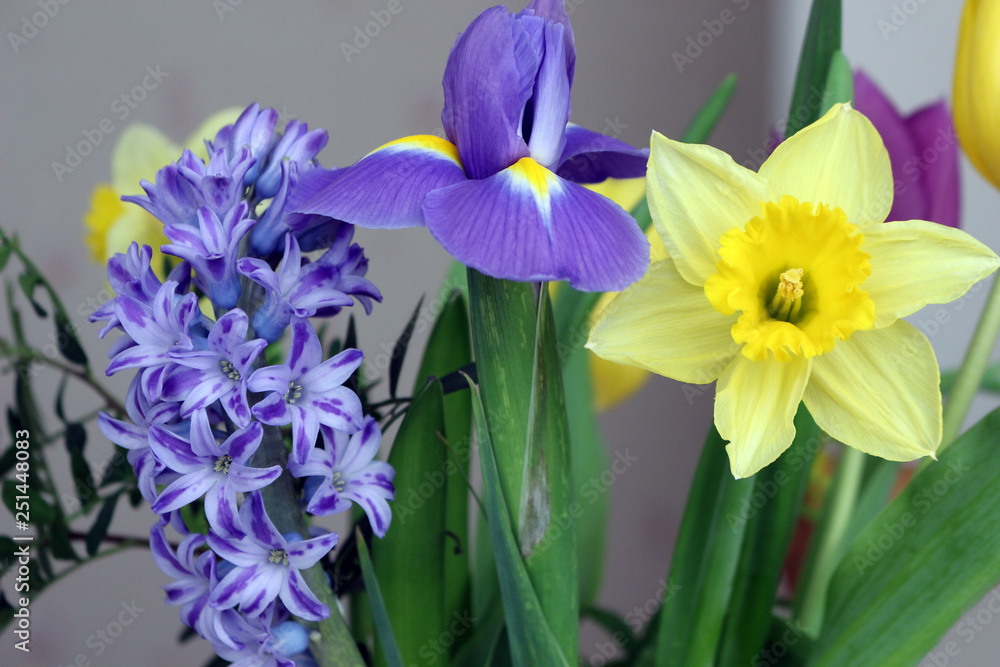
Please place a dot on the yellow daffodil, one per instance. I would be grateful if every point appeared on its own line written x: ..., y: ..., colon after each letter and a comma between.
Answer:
x: 785, y: 286
x: 111, y: 225
x: 977, y: 86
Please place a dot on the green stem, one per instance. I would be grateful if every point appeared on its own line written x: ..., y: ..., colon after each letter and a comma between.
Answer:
x: 973, y: 367
x: 830, y: 538
x: 334, y: 647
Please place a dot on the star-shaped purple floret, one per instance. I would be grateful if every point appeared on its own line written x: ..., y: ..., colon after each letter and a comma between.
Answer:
x: 218, y: 373
x: 268, y: 567
x: 211, y: 248
x: 306, y: 393
x: 135, y: 436
x: 194, y: 576
x: 349, y: 473
x: 294, y: 291
x: 153, y: 332
x: 204, y: 468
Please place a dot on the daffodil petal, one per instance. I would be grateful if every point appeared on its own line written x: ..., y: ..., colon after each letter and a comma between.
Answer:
x: 613, y: 384
x: 696, y: 194
x: 666, y: 325
x: 755, y: 405
x: 915, y: 263
x: 139, y: 154
x: 879, y: 392
x: 839, y: 160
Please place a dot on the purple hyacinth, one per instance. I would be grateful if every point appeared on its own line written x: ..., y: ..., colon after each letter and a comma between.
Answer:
x: 182, y: 188
x: 350, y: 264
x: 345, y: 471
x: 306, y: 391
x: 216, y: 471
x: 268, y: 567
x: 294, y: 291
x: 194, y: 577
x: 211, y: 249
x: 217, y: 373
x: 152, y: 333
x: 135, y: 436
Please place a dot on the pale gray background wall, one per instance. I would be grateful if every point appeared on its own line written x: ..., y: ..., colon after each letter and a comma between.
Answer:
x: 288, y: 55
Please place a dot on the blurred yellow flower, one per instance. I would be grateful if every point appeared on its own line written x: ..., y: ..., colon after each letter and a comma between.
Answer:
x: 977, y: 86
x: 110, y: 224
x: 787, y: 286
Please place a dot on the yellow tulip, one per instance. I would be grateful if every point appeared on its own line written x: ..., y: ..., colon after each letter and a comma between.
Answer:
x: 111, y: 225
x: 977, y: 86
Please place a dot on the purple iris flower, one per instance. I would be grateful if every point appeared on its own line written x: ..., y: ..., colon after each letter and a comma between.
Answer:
x: 135, y: 436
x: 153, y: 332
x: 182, y: 188
x: 502, y: 193
x: 194, y: 578
x: 218, y: 373
x: 923, y: 150
x: 267, y: 567
x: 216, y: 471
x: 345, y: 471
x: 306, y: 393
x: 296, y: 290
x: 211, y: 248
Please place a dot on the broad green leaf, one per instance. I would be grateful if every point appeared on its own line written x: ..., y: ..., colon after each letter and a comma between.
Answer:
x: 531, y: 641
x: 449, y: 348
x: 921, y: 563
x: 383, y: 626
x: 521, y: 383
x: 821, y: 42
x: 409, y: 560
x: 770, y: 519
x: 480, y: 649
x: 95, y: 536
x: 589, y: 461
x: 703, y: 567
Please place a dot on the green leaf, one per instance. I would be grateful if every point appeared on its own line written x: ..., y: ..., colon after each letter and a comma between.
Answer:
x: 521, y: 383
x: 386, y: 639
x: 531, y: 641
x: 28, y: 282
x: 4, y: 255
x: 409, y: 560
x: 480, y: 649
x: 97, y: 532
x: 704, y: 563
x: 921, y: 563
x: 821, y: 42
x: 449, y: 348
x: 399, y: 349
x: 770, y: 520
x: 83, y: 479
x: 69, y: 344
x: 612, y: 623
x: 704, y: 122
x: 62, y: 546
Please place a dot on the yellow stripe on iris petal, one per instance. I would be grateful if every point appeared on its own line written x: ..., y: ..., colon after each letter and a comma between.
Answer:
x: 526, y: 175
x: 424, y: 142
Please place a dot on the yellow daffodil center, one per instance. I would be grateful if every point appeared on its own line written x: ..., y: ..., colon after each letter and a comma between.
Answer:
x: 794, y: 273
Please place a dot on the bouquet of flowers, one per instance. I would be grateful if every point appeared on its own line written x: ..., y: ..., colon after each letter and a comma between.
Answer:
x: 581, y: 263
